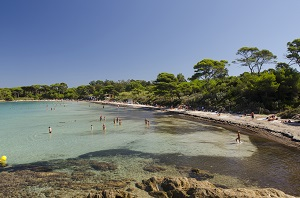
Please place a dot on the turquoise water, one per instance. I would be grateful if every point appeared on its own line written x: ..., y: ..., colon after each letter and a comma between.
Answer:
x: 169, y: 139
x: 25, y: 137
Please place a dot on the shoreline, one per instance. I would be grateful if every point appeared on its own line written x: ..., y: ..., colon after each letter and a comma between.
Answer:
x: 279, y: 131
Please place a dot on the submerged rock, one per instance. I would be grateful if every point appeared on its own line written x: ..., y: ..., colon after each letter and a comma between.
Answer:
x: 200, y: 174
x: 102, y: 166
x: 112, y: 193
x: 154, y: 168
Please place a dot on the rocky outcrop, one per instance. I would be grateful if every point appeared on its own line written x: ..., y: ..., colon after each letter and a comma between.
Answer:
x: 190, y: 187
x: 28, y: 183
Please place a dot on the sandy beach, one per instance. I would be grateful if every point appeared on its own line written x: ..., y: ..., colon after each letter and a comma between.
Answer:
x: 278, y: 130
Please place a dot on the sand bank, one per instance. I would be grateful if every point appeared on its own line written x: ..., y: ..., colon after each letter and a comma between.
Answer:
x: 287, y: 133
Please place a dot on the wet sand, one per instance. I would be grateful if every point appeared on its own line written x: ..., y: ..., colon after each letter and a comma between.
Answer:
x: 278, y: 130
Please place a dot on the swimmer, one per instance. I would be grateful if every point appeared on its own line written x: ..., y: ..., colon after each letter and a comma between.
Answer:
x: 91, y: 127
x: 238, y: 139
x: 104, y: 127
x: 50, y: 130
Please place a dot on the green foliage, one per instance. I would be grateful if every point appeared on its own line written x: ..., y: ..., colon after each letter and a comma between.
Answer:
x: 208, y: 69
x: 289, y: 114
x: 254, y: 59
x: 293, y: 49
x: 166, y: 85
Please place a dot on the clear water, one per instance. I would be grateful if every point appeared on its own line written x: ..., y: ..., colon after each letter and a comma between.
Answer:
x: 169, y: 139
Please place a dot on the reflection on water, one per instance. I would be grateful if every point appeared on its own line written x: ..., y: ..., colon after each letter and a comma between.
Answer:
x: 170, y: 141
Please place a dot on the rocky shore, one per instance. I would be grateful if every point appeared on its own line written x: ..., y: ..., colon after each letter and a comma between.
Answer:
x: 39, y: 181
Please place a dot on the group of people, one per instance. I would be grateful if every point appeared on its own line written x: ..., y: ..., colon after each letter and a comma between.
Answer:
x: 271, y: 118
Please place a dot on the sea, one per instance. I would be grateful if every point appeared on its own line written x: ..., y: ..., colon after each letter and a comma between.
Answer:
x: 169, y: 140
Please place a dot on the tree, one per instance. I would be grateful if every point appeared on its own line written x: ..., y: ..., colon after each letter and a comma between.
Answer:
x: 17, y: 91
x: 166, y: 85
x: 207, y: 69
x: 181, y: 78
x: 247, y: 57
x: 293, y: 49
x: 263, y: 57
x: 71, y: 93
x: 289, y: 88
x: 5, y: 94
x: 253, y: 58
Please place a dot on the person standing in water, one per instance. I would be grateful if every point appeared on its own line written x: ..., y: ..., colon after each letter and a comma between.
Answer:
x: 252, y: 115
x: 238, y: 139
x: 50, y: 130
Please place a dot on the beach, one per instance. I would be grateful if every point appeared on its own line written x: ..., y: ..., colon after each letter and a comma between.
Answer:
x: 279, y: 130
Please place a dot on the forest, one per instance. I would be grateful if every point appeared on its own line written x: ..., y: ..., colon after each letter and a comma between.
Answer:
x: 209, y: 88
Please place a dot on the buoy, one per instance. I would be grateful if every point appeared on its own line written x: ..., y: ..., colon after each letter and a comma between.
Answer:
x: 3, y: 158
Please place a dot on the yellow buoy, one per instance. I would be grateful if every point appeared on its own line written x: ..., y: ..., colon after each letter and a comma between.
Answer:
x: 3, y: 158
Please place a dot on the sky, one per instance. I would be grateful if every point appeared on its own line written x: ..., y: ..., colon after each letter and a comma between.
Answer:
x: 77, y: 41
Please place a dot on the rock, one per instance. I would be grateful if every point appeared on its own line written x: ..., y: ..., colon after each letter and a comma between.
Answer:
x: 102, y: 166
x: 182, y: 187
x: 111, y: 193
x: 149, y: 185
x: 153, y: 168
x: 200, y: 175
x: 296, y: 117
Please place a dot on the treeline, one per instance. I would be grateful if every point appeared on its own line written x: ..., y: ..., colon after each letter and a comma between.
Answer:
x: 210, y: 87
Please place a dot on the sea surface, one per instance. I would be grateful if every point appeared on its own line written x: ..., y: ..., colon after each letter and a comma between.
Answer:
x: 169, y: 139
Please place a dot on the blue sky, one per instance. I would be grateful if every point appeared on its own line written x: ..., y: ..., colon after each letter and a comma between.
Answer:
x: 75, y: 42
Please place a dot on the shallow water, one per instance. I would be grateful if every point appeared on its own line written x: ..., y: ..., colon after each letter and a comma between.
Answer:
x: 169, y: 140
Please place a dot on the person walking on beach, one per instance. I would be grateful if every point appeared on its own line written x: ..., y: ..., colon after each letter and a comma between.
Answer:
x: 50, y: 130
x: 238, y: 139
x: 252, y: 115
